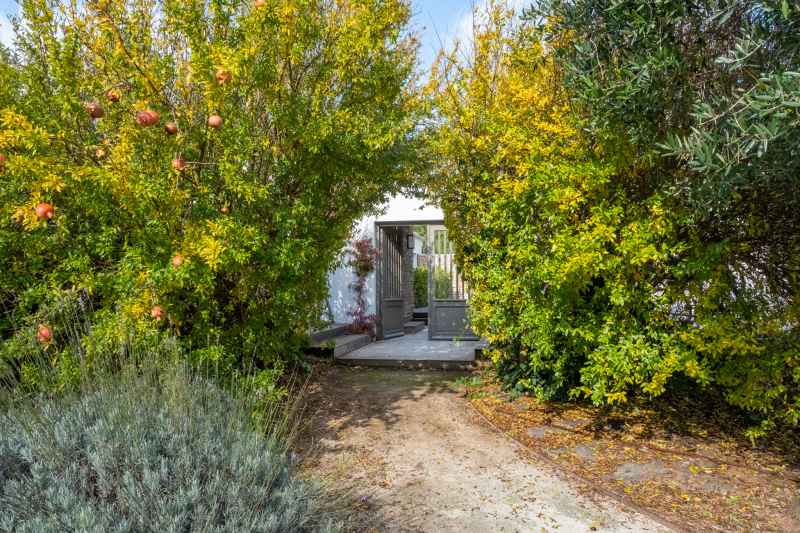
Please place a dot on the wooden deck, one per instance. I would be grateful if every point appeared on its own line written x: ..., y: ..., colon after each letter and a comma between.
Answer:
x: 415, y: 351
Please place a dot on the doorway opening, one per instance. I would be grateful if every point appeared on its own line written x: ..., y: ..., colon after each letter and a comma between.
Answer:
x: 418, y: 283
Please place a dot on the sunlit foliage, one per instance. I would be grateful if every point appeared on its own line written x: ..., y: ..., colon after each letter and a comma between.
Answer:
x: 607, y: 255
x: 277, y: 124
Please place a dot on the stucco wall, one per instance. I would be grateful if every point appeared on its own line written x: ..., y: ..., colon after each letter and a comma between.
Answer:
x: 340, y: 295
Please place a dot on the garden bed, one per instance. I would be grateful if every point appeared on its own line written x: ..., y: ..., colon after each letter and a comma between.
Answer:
x: 683, y: 461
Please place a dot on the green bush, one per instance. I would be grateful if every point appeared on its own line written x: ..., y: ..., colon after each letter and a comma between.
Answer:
x: 146, y: 453
x: 420, y: 287
x: 221, y: 235
x: 442, y: 285
x: 696, y: 105
x: 602, y: 266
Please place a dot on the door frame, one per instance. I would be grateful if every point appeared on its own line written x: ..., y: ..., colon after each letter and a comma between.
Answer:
x: 391, y: 250
x: 379, y: 225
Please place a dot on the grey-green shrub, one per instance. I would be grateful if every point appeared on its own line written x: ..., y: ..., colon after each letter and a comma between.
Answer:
x: 168, y: 453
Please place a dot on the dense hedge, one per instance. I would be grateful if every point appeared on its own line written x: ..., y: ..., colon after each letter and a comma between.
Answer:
x: 623, y: 206
x: 220, y: 233
x: 144, y: 454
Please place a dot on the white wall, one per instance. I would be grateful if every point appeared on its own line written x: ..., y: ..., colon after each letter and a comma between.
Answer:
x: 398, y: 209
x: 340, y: 295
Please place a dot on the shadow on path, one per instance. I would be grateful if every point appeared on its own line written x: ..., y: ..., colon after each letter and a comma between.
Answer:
x: 411, y: 453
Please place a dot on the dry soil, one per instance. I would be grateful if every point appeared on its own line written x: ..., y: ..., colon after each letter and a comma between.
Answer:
x: 415, y: 456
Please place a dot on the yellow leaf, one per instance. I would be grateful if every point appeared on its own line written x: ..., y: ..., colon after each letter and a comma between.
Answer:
x: 210, y: 250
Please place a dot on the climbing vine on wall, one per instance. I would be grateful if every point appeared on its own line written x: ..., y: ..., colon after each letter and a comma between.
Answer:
x: 363, y: 259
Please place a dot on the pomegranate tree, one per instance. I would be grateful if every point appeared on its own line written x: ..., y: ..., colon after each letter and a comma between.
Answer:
x: 234, y: 150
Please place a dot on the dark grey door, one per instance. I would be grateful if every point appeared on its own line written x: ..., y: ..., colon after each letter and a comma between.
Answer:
x: 448, y: 295
x: 391, y: 282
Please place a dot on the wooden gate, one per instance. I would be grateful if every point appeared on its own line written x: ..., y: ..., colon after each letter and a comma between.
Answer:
x: 390, y: 282
x: 448, y: 295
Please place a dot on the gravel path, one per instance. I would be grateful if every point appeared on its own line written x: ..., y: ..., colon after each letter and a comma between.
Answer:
x: 417, y: 458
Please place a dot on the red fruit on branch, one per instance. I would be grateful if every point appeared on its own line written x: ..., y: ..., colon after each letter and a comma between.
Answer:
x: 215, y: 121
x: 2, y: 163
x: 177, y: 260
x: 223, y: 76
x: 259, y: 3
x: 147, y: 117
x: 43, y: 334
x: 157, y: 312
x: 94, y: 109
x: 179, y: 164
x: 45, y: 211
x: 113, y: 95
x: 224, y: 210
x: 100, y: 153
x: 143, y: 118
x: 171, y: 128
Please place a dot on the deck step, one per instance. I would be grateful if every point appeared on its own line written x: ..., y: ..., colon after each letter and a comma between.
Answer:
x: 420, y: 315
x: 329, y: 332
x: 414, y: 326
x: 427, y: 364
x: 341, y: 345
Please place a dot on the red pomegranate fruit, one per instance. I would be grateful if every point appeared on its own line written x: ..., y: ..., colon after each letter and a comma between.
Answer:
x: 259, y: 3
x: 179, y: 164
x: 94, y: 109
x: 113, y: 95
x: 147, y: 117
x: 157, y: 312
x: 171, y: 128
x: 225, y: 210
x: 214, y: 121
x: 223, y: 76
x: 2, y: 162
x: 142, y: 118
x: 177, y: 260
x: 45, y: 211
x: 43, y: 334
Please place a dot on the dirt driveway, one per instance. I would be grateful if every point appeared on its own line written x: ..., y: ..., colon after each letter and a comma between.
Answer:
x: 417, y: 458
